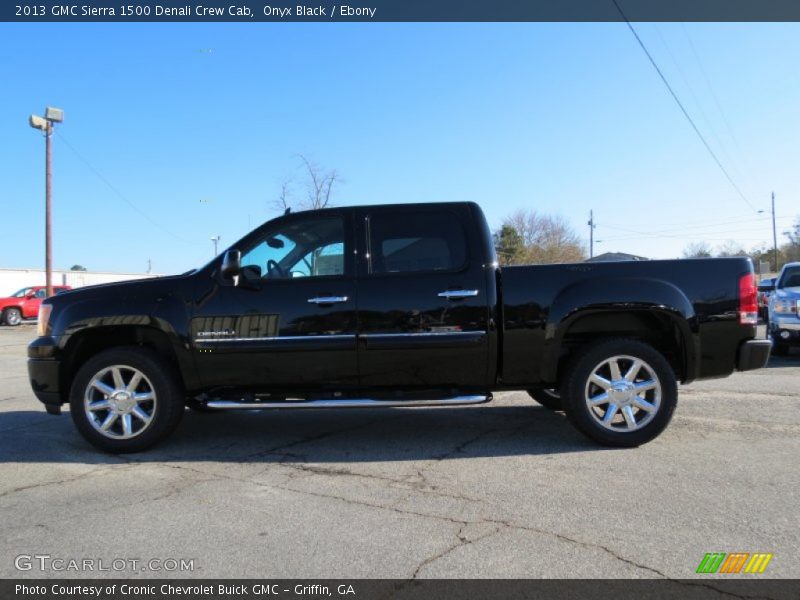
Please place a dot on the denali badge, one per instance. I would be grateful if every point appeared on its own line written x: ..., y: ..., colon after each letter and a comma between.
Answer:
x: 216, y: 333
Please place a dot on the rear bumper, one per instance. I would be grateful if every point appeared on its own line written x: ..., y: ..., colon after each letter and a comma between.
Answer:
x: 753, y: 354
x: 43, y: 371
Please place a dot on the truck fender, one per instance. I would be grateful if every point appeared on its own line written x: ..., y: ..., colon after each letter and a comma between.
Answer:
x: 619, y: 294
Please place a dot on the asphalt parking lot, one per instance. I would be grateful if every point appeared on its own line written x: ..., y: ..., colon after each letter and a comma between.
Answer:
x: 504, y: 490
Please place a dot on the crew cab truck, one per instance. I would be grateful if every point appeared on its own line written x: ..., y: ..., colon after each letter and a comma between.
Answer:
x: 392, y: 306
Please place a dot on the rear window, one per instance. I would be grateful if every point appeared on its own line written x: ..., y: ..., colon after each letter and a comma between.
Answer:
x: 407, y: 243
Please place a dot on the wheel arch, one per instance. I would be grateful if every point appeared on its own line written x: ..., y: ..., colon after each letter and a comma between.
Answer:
x: 83, y: 345
x: 638, y: 307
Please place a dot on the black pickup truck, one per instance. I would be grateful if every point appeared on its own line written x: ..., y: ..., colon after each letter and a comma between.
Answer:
x: 397, y: 306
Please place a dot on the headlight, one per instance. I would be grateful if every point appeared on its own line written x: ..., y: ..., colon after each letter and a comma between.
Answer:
x: 44, y: 319
x: 785, y: 307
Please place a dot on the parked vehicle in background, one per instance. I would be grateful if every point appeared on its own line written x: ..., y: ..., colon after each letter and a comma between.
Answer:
x: 765, y: 288
x: 393, y: 306
x: 24, y: 304
x: 784, y: 309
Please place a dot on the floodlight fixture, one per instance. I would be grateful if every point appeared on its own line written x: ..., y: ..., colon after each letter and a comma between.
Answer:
x: 54, y: 115
x: 38, y: 122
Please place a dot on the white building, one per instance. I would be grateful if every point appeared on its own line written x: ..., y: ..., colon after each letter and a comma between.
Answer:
x: 12, y: 280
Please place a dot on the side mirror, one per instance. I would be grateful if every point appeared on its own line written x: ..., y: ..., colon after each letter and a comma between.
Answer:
x: 231, y: 264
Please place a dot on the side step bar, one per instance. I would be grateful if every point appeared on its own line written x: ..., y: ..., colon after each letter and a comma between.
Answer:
x: 348, y: 403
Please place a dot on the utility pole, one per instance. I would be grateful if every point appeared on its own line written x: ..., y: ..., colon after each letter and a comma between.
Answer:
x: 591, y: 233
x: 45, y: 125
x: 48, y: 208
x: 215, y: 239
x: 774, y: 234
x: 149, y: 266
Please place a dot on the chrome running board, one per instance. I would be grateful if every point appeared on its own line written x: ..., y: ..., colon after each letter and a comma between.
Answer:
x: 347, y: 403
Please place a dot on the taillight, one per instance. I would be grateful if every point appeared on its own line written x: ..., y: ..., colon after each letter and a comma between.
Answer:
x: 748, y: 304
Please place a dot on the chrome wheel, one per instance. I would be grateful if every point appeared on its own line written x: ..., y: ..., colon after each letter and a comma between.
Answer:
x: 120, y: 402
x: 13, y: 317
x: 623, y: 393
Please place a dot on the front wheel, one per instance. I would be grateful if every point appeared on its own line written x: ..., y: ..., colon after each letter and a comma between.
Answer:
x: 12, y: 317
x: 125, y: 400
x: 620, y: 392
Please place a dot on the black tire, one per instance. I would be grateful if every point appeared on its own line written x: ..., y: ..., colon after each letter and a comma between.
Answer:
x: 12, y: 317
x: 167, y: 406
x: 779, y: 348
x: 548, y: 398
x: 577, y: 390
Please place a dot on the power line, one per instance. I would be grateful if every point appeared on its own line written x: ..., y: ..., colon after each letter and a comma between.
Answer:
x: 683, y: 109
x: 117, y: 192
x: 719, y: 105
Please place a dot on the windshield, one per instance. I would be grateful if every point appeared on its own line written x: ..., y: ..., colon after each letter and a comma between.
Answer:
x: 790, y: 278
x: 22, y: 293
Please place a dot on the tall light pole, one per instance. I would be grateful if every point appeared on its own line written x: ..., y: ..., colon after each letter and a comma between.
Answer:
x: 45, y: 125
x: 215, y: 239
x: 591, y: 233
x: 774, y: 233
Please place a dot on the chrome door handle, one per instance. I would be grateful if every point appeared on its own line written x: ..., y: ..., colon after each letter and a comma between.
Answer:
x: 327, y: 299
x: 458, y: 294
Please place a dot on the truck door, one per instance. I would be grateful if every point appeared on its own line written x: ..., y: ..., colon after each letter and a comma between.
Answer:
x: 423, y: 314
x: 30, y: 307
x: 292, y: 325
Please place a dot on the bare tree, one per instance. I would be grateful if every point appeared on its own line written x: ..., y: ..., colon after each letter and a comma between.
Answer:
x: 545, y: 239
x: 730, y: 248
x: 697, y: 250
x: 318, y: 185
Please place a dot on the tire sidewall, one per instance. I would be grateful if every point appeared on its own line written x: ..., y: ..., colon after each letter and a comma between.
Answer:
x: 7, y: 316
x: 573, y: 392
x: 169, y: 400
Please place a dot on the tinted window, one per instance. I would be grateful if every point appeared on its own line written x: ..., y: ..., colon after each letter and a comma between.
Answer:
x: 41, y: 293
x: 404, y: 242
x: 299, y: 248
x: 790, y: 278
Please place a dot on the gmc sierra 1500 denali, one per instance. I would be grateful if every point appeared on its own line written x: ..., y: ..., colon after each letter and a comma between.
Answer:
x: 394, y: 305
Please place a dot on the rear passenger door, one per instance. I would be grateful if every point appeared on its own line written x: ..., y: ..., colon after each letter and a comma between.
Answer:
x: 422, y: 299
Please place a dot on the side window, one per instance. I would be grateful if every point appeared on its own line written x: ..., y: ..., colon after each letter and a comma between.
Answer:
x: 405, y: 243
x: 41, y: 293
x: 311, y: 247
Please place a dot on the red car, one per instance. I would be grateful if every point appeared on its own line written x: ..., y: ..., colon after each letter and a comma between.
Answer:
x: 25, y: 303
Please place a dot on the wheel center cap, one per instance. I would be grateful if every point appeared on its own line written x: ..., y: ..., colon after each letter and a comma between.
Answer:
x: 122, y: 402
x: 622, y: 391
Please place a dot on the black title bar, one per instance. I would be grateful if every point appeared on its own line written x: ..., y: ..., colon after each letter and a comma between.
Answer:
x: 396, y: 589
x: 400, y: 10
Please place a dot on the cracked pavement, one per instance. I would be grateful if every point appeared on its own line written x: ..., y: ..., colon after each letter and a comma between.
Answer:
x: 509, y: 489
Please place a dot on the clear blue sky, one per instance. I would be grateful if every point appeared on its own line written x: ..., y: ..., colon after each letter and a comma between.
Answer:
x: 197, y: 125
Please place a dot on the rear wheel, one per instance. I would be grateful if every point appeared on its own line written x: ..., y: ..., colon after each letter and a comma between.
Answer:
x: 12, y: 317
x: 125, y: 400
x: 549, y: 398
x: 620, y: 392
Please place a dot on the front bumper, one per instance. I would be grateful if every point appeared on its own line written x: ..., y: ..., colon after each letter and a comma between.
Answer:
x: 753, y: 354
x: 785, y: 329
x: 44, y: 373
